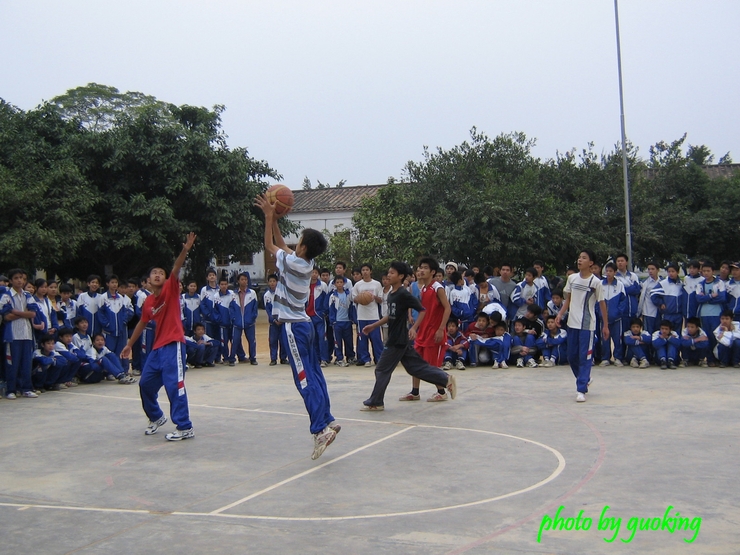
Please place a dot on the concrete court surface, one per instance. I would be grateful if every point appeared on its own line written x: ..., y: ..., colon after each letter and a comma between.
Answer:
x: 474, y: 475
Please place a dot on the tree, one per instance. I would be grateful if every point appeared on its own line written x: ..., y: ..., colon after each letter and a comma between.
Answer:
x: 45, y: 199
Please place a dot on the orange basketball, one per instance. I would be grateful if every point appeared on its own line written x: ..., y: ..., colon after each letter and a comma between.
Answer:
x: 365, y: 298
x: 282, y: 198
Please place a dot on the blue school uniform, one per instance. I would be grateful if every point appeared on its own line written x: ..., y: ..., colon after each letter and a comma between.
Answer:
x: 638, y: 346
x: 114, y: 313
x: 341, y: 310
x: 692, y: 350
x: 554, y: 347
x: 191, y: 312
x: 19, y: 340
x: 243, y: 310
x: 666, y: 349
x: 671, y: 294
x: 616, y: 305
x: 711, y: 298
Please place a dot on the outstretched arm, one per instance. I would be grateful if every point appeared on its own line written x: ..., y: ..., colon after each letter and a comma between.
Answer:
x: 270, y: 225
x: 186, y: 246
x: 278, y: 237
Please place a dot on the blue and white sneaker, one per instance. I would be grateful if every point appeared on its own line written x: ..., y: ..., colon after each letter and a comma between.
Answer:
x: 152, y: 428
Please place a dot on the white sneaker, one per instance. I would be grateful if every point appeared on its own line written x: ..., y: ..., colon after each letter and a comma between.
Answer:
x: 152, y: 428
x: 684, y: 364
x: 321, y: 441
x: 580, y: 398
x: 494, y: 365
x: 179, y: 435
x: 503, y: 365
x: 368, y: 363
x: 520, y: 362
x: 459, y: 365
x: 634, y: 363
x: 447, y: 365
x: 618, y: 363
x: 531, y: 363
x: 644, y: 363
x: 604, y: 363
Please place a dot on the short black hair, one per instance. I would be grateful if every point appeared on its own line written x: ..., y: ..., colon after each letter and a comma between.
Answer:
x: 111, y: 277
x: 637, y: 321
x: 39, y: 282
x: 133, y: 281
x: 622, y: 255
x: 15, y: 271
x: 654, y: 263
x: 95, y: 336
x: 340, y: 263
x: 708, y: 264
x: 65, y: 331
x: 479, y: 278
x: 453, y: 320
x: 92, y: 277
x: 65, y: 288
x: 590, y: 254
x: 323, y: 271
x: 727, y: 313
x: 550, y: 317
x: 532, y: 271
x: 508, y: 265
x: 314, y: 241
x: 488, y: 270
x: 500, y: 324
x: 495, y: 317
x: 538, y: 263
x: 211, y: 271
x: 79, y: 319
x: 366, y: 265
x: 199, y: 325
x: 534, y: 309
x: 340, y: 278
x: 558, y: 292
x: 672, y: 265
x: 401, y: 268
x: 272, y: 276
x: 610, y: 265
x: 455, y: 277
x: 46, y: 338
x: 693, y: 264
x: 666, y: 324
x: 356, y: 270
x: 482, y: 315
x: 693, y: 320
x: 469, y: 273
x: 429, y: 261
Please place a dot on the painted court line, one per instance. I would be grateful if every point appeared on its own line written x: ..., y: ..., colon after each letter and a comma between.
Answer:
x: 305, y: 473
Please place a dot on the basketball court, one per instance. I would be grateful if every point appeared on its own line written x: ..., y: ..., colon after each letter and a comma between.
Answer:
x: 474, y: 475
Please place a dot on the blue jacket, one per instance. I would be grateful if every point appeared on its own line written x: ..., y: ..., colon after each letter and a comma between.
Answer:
x: 733, y: 296
x: 632, y: 289
x: 114, y: 313
x: 207, y: 297
x: 221, y: 313
x: 690, y: 286
x: 659, y: 341
x: 269, y: 296
x: 522, y: 292
x: 671, y: 294
x: 20, y: 328
x: 558, y: 343
x: 501, y: 344
x: 645, y: 339
x: 340, y: 306
x: 689, y: 342
x: 191, y: 310
x: 87, y: 306
x: 243, y: 317
x: 320, y: 299
x: 463, y: 303
x: 616, y: 301
x: 708, y: 305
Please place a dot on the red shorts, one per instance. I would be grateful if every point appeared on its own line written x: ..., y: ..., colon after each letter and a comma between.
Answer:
x: 434, y: 355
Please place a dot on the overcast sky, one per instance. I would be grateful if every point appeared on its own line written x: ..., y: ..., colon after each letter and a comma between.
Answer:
x: 353, y: 90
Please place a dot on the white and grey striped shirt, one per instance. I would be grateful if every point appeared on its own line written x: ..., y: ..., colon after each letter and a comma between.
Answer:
x: 584, y: 294
x: 293, y: 288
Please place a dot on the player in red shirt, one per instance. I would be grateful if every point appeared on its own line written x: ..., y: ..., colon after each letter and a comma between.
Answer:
x: 430, y: 328
x: 165, y: 365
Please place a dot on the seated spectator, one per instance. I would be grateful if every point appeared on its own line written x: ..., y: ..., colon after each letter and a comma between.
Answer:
x: 638, y: 343
x: 553, y: 343
x: 694, y: 343
x: 727, y: 334
x: 523, y: 346
x: 498, y: 346
x: 457, y: 347
x: 666, y: 344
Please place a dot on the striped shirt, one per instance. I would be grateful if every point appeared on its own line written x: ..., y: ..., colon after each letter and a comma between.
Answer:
x: 293, y: 288
x: 584, y: 294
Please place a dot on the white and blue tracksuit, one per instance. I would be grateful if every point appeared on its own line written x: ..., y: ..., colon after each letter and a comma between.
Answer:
x: 243, y: 318
x: 632, y: 290
x: 648, y: 310
x: 616, y: 304
x: 44, y: 315
x: 523, y: 292
x: 341, y: 311
x: 733, y: 298
x: 638, y: 346
x: 69, y: 309
x: 666, y: 349
x: 77, y: 361
x: 19, y: 340
x: 554, y: 347
x: 114, y: 313
x: 208, y: 296
x: 463, y: 304
x: 499, y: 346
x: 87, y: 306
x: 727, y: 350
x: 543, y: 292
x: 691, y: 286
x: 203, y: 351
x: 554, y: 309
x: 106, y: 360
x: 671, y: 295
x: 274, y: 333
x: 693, y: 350
x: 317, y: 308
x: 711, y: 298
x: 221, y: 314
x: 191, y: 312
x: 49, y: 369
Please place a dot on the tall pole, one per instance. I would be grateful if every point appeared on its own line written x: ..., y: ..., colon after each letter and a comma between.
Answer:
x: 628, y: 228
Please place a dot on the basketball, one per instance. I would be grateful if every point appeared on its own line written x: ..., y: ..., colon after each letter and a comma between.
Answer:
x: 282, y: 198
x: 365, y: 298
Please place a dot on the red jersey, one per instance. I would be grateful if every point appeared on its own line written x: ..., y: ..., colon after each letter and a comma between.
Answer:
x: 164, y: 309
x: 472, y: 328
x: 433, y: 318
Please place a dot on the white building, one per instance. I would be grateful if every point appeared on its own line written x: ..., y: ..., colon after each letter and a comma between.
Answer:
x: 323, y: 209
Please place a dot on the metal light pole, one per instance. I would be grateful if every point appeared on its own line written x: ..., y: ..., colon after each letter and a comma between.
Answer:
x: 628, y: 236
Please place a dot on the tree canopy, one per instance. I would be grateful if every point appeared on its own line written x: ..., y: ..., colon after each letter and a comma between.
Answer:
x: 97, y: 178
x: 491, y: 201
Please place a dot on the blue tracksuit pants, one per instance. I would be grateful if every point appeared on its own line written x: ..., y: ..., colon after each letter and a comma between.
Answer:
x: 307, y: 374
x: 580, y: 356
x: 615, y: 335
x: 237, y: 349
x: 277, y: 343
x: 364, y: 342
x: 709, y: 324
x: 343, y: 336
x: 166, y: 367
x: 18, y: 362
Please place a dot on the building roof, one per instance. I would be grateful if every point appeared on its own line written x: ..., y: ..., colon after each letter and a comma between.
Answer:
x: 334, y: 199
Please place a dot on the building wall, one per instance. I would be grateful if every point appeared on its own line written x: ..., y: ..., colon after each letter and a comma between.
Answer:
x: 317, y: 220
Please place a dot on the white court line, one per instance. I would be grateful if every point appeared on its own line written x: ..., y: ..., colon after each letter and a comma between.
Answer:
x: 24, y: 506
x: 306, y: 472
